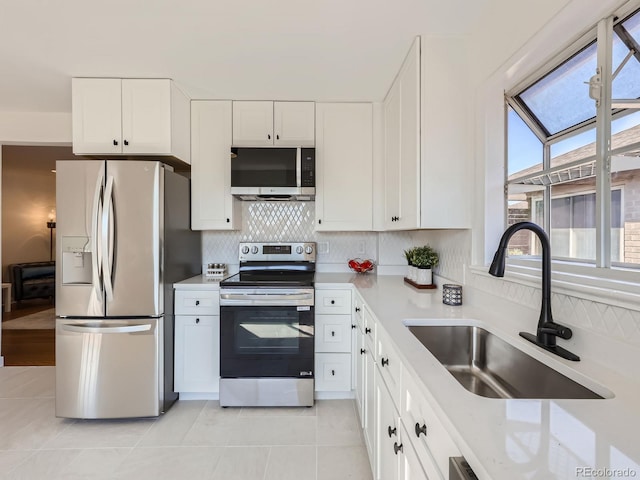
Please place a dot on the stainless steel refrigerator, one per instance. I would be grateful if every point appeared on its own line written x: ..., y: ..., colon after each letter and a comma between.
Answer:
x: 123, y: 238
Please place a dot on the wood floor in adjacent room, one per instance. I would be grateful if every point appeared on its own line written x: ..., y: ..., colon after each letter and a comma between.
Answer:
x: 28, y: 347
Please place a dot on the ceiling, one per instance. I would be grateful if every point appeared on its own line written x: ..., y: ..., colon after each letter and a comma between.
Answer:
x: 323, y: 50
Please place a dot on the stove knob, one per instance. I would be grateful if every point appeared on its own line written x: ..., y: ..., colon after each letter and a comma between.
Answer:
x: 308, y: 249
x: 245, y: 249
x: 254, y: 250
x: 299, y: 249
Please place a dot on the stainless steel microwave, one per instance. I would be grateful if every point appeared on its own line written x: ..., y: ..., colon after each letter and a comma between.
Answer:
x: 273, y: 173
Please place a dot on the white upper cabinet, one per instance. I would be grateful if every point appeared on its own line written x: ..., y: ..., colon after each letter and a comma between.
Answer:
x: 212, y: 206
x: 446, y: 153
x: 115, y: 116
x: 259, y: 124
x: 344, y: 166
x: 401, y: 178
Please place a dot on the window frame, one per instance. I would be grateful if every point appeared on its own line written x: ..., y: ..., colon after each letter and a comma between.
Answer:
x: 602, y: 35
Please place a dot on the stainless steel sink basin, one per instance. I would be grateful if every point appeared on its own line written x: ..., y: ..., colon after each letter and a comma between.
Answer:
x: 488, y: 366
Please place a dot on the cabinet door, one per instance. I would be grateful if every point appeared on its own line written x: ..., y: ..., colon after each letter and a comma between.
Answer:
x: 293, y: 124
x: 402, y: 146
x: 359, y: 374
x: 146, y: 116
x: 212, y: 206
x: 410, y: 466
x: 344, y: 166
x: 252, y: 124
x: 369, y: 403
x: 388, y: 442
x: 197, y: 353
x: 96, y: 115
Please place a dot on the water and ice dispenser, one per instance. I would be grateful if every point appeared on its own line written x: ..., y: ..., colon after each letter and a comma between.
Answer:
x: 76, y: 260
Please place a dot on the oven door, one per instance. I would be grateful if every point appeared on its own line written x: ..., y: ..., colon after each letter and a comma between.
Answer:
x: 266, y: 341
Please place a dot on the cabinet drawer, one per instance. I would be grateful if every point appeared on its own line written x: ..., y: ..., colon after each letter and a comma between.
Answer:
x: 357, y: 311
x: 333, y: 333
x: 390, y: 366
x: 333, y: 372
x: 420, y: 418
x: 337, y: 302
x: 369, y: 329
x: 197, y: 302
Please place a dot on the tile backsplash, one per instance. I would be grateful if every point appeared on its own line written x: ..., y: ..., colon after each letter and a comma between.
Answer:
x: 295, y: 221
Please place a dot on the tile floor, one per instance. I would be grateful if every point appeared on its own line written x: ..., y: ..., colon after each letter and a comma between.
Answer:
x: 193, y: 440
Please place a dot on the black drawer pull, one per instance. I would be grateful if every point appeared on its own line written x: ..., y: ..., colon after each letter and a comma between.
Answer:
x: 126, y: 142
x: 421, y: 429
x: 367, y: 330
x: 333, y: 373
x: 385, y: 361
x: 397, y: 448
x: 115, y: 142
x: 353, y: 326
x: 333, y: 334
x: 333, y: 302
x: 391, y: 431
x: 197, y: 302
x: 357, y: 309
x: 197, y: 320
x: 362, y: 351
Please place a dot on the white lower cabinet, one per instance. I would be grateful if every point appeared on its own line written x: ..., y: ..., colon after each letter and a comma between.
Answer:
x: 333, y: 343
x: 404, y: 438
x: 197, y: 341
x: 197, y: 353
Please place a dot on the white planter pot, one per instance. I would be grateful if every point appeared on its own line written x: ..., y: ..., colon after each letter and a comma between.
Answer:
x: 413, y: 273
x: 424, y: 276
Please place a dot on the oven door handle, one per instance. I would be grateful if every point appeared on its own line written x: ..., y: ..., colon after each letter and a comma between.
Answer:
x: 266, y: 296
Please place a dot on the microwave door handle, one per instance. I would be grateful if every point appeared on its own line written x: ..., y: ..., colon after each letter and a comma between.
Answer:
x: 107, y: 239
x: 96, y: 246
x: 298, y: 167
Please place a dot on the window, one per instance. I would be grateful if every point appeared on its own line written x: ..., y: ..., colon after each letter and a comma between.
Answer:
x: 554, y: 157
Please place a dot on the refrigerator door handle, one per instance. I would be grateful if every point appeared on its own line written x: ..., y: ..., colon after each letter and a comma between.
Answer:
x: 96, y: 247
x: 107, y: 239
x: 86, y: 328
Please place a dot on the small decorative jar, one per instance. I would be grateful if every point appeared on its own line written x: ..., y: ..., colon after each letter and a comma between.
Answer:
x: 452, y: 294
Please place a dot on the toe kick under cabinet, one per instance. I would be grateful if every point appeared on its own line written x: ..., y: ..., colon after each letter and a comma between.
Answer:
x: 333, y: 342
x: 197, y: 343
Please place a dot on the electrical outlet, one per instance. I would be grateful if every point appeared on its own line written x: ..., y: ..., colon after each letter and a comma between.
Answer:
x: 323, y: 247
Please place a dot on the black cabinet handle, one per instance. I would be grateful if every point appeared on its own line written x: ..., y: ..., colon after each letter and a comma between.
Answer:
x: 269, y: 136
x: 126, y: 142
x: 362, y: 351
x: 421, y: 429
x: 333, y: 373
x: 391, y: 431
x: 333, y: 302
x: 357, y: 309
x: 197, y: 302
x: 352, y: 327
x: 367, y: 330
x: 397, y: 448
x: 228, y: 221
x: 319, y: 221
x: 333, y: 334
x: 277, y: 137
x: 385, y: 361
x: 115, y: 142
x: 197, y: 320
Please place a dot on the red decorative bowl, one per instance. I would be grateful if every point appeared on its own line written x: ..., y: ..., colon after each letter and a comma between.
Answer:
x: 361, y: 266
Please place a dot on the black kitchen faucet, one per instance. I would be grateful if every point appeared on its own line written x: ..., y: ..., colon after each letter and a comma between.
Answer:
x: 547, y: 330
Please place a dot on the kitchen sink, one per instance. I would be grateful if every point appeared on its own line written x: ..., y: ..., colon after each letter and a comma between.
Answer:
x: 488, y: 366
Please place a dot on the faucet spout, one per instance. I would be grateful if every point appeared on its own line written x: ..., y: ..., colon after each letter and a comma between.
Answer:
x: 547, y: 330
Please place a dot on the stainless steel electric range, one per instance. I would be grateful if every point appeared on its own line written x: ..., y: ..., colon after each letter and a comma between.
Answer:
x: 267, y: 327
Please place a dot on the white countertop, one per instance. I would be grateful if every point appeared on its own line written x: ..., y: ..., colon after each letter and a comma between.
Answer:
x: 200, y: 282
x: 516, y: 438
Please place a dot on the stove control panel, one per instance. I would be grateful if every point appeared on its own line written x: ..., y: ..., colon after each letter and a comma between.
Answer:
x: 277, y: 252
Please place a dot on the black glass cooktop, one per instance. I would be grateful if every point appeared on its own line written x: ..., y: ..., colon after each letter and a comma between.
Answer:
x: 264, y: 274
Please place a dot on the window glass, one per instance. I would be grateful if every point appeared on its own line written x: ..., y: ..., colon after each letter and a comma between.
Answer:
x: 574, y: 148
x: 632, y: 25
x: 561, y: 98
x: 626, y: 84
x: 524, y: 204
x: 524, y: 148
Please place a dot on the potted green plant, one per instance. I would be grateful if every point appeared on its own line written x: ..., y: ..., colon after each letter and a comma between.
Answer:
x: 425, y: 259
x: 412, y: 271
